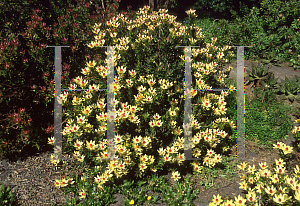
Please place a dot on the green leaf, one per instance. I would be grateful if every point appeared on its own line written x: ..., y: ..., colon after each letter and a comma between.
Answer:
x: 291, y: 97
x: 297, y: 97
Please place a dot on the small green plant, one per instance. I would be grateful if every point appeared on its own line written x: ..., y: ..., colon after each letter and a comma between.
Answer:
x: 270, y: 82
x: 291, y: 88
x: 267, y: 89
x: 181, y: 194
x: 258, y: 74
x: 6, y: 196
x: 271, y: 57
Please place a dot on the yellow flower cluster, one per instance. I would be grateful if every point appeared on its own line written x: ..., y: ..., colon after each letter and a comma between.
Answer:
x: 63, y: 182
x: 138, y: 144
x: 268, y: 185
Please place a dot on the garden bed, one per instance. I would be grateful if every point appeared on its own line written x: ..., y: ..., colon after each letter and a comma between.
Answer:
x: 32, y: 178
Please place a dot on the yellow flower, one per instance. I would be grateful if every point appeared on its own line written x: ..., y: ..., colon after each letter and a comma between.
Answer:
x: 145, y: 141
x: 296, y: 169
x: 75, y: 128
x: 251, y: 169
x: 121, y: 70
x: 100, y: 187
x: 217, y: 200
x: 116, y: 24
x: 263, y: 165
x: 287, y: 149
x: 76, y: 100
x: 86, y: 110
x: 63, y: 183
x: 297, y: 195
x: 251, y: 180
x: 210, y: 153
x: 275, y: 178
x: 243, y: 185
x: 118, y: 139
x: 97, y: 179
x: 176, y: 175
x: 91, y: 45
x: 90, y: 145
x: 91, y: 64
x: 228, y: 203
x: 280, y: 199
x: 239, y: 201
x: 142, y: 167
x: 278, y: 145
x: 81, y: 158
x: 96, y: 31
x: 171, y: 150
x: 93, y: 87
x: 295, y: 186
x: 144, y: 158
x: 279, y: 170
x: 137, y: 140
x: 82, y: 194
x: 270, y: 190
x: 191, y: 13
x: 57, y: 183
x: 81, y: 119
x: 131, y: 202
x: 161, y: 151
x: 280, y: 162
x: 258, y: 188
x: 265, y: 173
x: 113, y: 35
x: 70, y: 181
x: 291, y: 181
x: 103, y: 179
x: 149, y: 198
x: 85, y: 71
x: 88, y: 127
x: 51, y: 140
x: 153, y: 169
x: 78, y: 144
x: 282, y: 190
x: 167, y: 158
x: 242, y: 166
x: 251, y: 197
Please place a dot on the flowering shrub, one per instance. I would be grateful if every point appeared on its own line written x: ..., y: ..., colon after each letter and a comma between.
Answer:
x: 145, y: 149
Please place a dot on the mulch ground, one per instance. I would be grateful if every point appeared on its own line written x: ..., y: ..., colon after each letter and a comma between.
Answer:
x: 32, y: 180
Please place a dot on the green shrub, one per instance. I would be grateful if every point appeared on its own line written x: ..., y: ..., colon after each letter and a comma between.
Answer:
x: 26, y: 80
x: 274, y: 38
x: 273, y: 29
x: 223, y: 9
